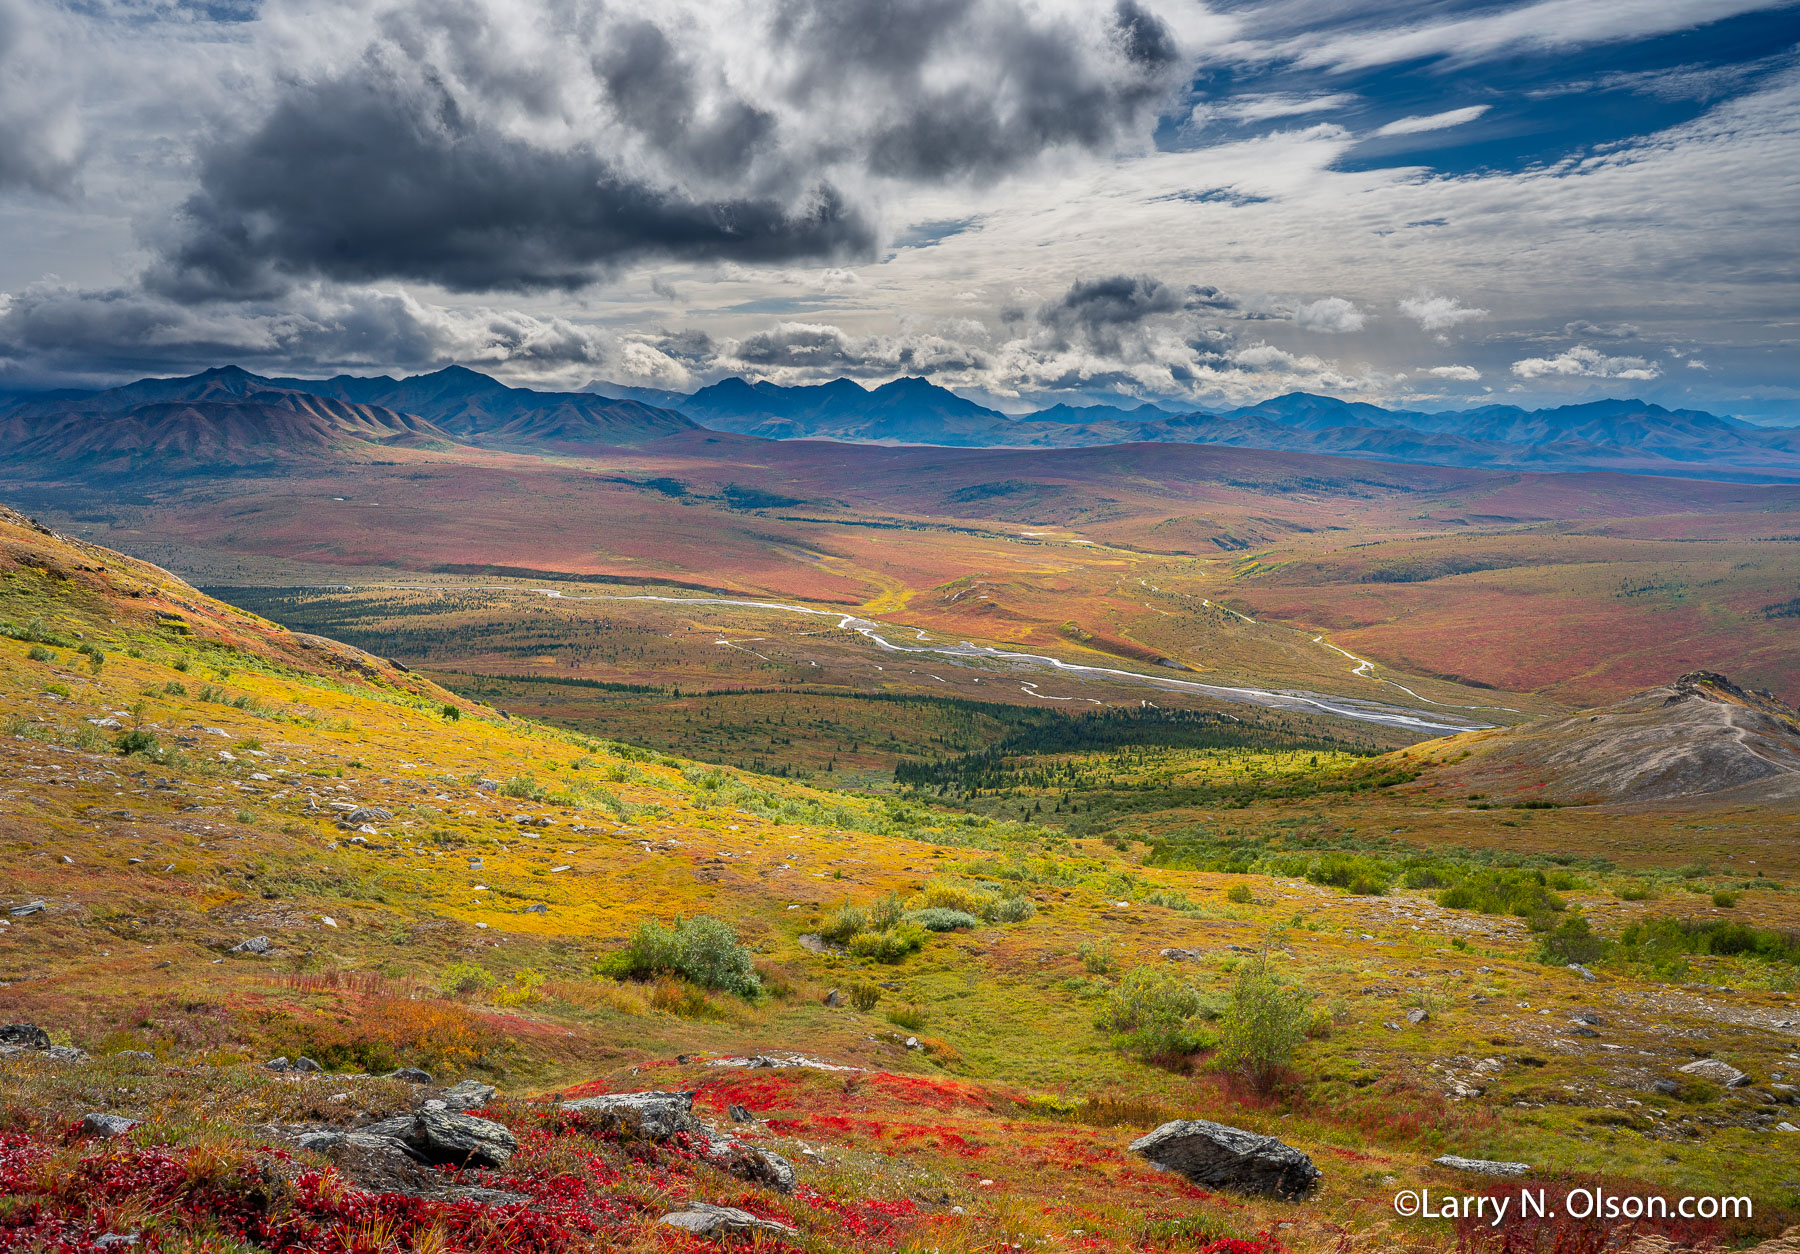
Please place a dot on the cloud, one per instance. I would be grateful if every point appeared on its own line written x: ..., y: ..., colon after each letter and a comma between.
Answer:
x: 486, y: 145
x: 1432, y: 122
x: 1439, y: 313
x: 1694, y: 363
x: 1583, y: 329
x: 1331, y: 314
x: 1462, y: 374
x: 1587, y: 363
x: 40, y: 132
x: 1264, y: 108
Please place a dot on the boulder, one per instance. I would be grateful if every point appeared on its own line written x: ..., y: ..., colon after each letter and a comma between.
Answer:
x: 740, y: 1114
x: 702, y: 1219
x: 834, y: 998
x: 651, y: 1116
x: 1180, y: 955
x: 468, y: 1095
x: 28, y: 909
x: 255, y: 945
x: 1716, y: 1070
x: 443, y: 1136
x: 752, y: 1163
x: 1417, y: 1015
x: 1482, y: 1166
x: 105, y: 1127
x: 27, y: 1035
x: 412, y: 1075
x: 66, y: 1053
x: 1219, y: 1156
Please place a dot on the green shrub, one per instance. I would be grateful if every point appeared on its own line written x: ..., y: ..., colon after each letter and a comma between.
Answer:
x: 942, y: 919
x: 703, y: 950
x: 138, y: 742
x: 1634, y: 892
x: 864, y: 996
x: 909, y: 1017
x: 1096, y: 956
x: 886, y: 911
x: 889, y: 946
x: 1572, y: 940
x: 1153, y: 1012
x: 449, y: 712
x: 38, y: 653
x: 1357, y: 875
x: 1263, y: 1025
x: 1014, y: 910
x: 175, y: 688
x: 1239, y: 893
x: 846, y: 923
x: 1725, y: 899
x: 954, y: 896
x: 523, y: 787
x: 464, y: 979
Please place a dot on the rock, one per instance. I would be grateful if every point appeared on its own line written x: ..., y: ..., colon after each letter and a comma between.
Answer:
x: 105, y: 1127
x: 1717, y: 1071
x: 1668, y: 1088
x: 1417, y: 1015
x: 305, y: 1066
x: 136, y: 1055
x: 367, y: 814
x: 412, y: 1075
x: 912, y: 1042
x: 752, y: 1163
x: 1591, y: 1019
x: 702, y: 1219
x: 468, y: 1095
x: 28, y: 909
x: 255, y: 945
x: 740, y: 1114
x: 1180, y: 955
x: 1786, y: 1127
x: 651, y: 1116
x: 1229, y: 1158
x: 28, y: 1035
x: 539, y: 908
x: 442, y: 1136
x: 834, y: 998
x: 1581, y: 1029
x: 66, y: 1053
x: 115, y: 1240
x: 1582, y: 971
x: 1482, y: 1166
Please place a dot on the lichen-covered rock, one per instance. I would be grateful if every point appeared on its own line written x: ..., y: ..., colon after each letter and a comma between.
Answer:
x: 1223, y: 1157
x: 752, y: 1163
x: 105, y: 1127
x: 1716, y: 1070
x: 1482, y: 1166
x: 653, y: 1116
x: 468, y: 1095
x: 702, y: 1219
x: 444, y: 1136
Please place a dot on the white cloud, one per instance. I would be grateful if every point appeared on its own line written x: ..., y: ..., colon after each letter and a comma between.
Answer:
x: 1330, y: 314
x: 1582, y: 362
x: 1462, y: 374
x: 1694, y: 363
x: 1439, y: 313
x: 1433, y: 121
x: 1268, y: 107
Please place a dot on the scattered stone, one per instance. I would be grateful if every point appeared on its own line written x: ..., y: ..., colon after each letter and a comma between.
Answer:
x: 912, y: 1042
x: 412, y: 1075
x: 1225, y: 1157
x: 28, y: 1035
x: 702, y: 1219
x: 1482, y: 1166
x: 255, y: 945
x: 1591, y: 1019
x: 652, y: 1116
x: 468, y: 1095
x: 299, y: 1066
x: 1716, y: 1070
x: 1417, y: 1015
x: 105, y: 1127
x: 441, y: 1136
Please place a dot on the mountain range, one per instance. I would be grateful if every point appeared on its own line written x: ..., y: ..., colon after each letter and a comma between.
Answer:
x: 227, y: 417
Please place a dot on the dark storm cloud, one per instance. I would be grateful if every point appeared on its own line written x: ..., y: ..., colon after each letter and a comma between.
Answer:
x: 1100, y: 312
x: 444, y: 153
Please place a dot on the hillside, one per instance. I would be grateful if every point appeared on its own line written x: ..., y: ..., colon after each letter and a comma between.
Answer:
x: 221, y: 842
x: 1701, y: 738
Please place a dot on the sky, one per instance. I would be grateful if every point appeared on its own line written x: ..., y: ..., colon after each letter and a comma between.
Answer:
x: 1429, y: 203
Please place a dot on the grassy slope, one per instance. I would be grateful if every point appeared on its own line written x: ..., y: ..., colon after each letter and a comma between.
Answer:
x: 151, y: 870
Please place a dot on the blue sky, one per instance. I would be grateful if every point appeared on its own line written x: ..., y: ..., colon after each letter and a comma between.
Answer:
x: 1429, y: 204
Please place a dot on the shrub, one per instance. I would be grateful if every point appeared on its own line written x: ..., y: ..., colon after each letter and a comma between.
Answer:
x: 889, y: 946
x: 1153, y: 1012
x: 909, y: 1017
x: 1239, y: 893
x: 38, y: 653
x: 1263, y: 1025
x: 1572, y: 940
x: 450, y: 712
x: 703, y: 949
x: 138, y: 742
x: 942, y: 919
x: 1014, y: 910
x: 1634, y: 892
x: 886, y: 912
x: 846, y: 923
x: 865, y: 996
x: 1096, y: 956
x: 462, y: 979
x: 175, y: 688
x: 954, y: 896
x: 1725, y: 899
x: 523, y: 787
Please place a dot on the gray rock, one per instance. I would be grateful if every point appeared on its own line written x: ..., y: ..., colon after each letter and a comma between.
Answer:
x: 468, y: 1095
x: 1223, y: 1157
x: 740, y: 1114
x: 255, y: 945
x: 1482, y: 1166
x: 1180, y: 955
x: 105, y: 1127
x: 28, y: 909
x: 66, y: 1053
x: 651, y: 1116
x: 752, y: 1163
x: 1719, y: 1072
x: 319, y: 1142
x: 539, y: 908
x: 1581, y: 1029
x: 278, y: 1063
x: 1668, y: 1088
x: 412, y: 1075
x: 1582, y: 971
x: 368, y: 814
x: 115, y: 1240
x: 834, y: 998
x: 1417, y: 1015
x: 702, y: 1219
x: 136, y: 1055
x: 442, y: 1136
x: 305, y: 1066
x: 27, y: 1035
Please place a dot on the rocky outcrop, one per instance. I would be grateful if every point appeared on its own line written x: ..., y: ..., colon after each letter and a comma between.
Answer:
x: 651, y: 1116
x: 446, y: 1137
x: 1716, y: 1070
x: 1222, y: 1157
